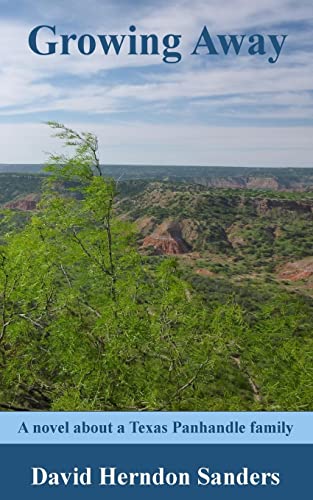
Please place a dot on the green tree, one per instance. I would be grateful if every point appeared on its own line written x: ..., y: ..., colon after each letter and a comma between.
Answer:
x: 86, y: 324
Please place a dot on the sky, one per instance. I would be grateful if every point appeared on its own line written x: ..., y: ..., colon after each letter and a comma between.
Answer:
x: 205, y: 110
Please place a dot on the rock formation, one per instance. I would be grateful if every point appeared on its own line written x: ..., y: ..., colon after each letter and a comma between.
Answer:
x: 167, y: 239
x: 25, y: 204
x: 296, y: 271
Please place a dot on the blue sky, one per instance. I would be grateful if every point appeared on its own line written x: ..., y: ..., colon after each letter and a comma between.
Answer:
x: 202, y: 111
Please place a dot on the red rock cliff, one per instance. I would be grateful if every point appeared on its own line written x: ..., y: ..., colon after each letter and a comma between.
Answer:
x: 24, y: 204
x: 167, y: 239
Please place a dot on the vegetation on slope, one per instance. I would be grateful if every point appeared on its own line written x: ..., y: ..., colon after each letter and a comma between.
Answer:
x: 89, y: 323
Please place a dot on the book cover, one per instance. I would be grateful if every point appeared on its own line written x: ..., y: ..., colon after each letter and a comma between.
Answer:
x: 156, y: 249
